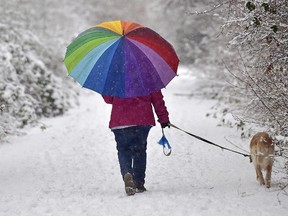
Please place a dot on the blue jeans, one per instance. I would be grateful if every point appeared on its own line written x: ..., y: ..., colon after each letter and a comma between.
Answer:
x: 131, y: 146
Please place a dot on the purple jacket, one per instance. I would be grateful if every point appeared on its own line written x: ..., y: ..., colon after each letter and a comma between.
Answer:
x: 137, y: 110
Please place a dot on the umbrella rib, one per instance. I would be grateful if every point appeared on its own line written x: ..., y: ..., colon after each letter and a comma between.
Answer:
x: 136, y: 44
x: 149, y: 72
x: 116, y: 47
x: 80, y: 74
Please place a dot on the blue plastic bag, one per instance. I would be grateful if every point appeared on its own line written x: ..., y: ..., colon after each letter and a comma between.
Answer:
x: 165, y: 143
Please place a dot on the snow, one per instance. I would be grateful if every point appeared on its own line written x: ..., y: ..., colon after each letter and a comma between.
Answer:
x: 68, y: 166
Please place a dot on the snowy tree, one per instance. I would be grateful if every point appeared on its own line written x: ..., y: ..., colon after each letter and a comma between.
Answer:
x: 259, y: 34
x: 257, y: 64
x: 32, y: 83
x: 195, y: 37
x: 256, y: 61
x: 28, y: 88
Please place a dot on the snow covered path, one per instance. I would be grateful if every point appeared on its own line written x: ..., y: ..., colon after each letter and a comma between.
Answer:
x: 71, y: 168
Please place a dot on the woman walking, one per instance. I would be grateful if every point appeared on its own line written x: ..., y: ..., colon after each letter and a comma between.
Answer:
x: 131, y: 120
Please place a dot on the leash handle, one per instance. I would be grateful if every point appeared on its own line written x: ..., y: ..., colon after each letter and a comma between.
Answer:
x: 164, y: 142
x: 209, y: 142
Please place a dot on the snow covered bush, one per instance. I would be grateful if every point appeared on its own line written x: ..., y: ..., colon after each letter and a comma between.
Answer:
x: 259, y: 34
x: 258, y: 63
x: 28, y: 87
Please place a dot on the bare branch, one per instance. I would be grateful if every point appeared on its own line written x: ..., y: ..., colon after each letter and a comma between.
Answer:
x: 213, y: 8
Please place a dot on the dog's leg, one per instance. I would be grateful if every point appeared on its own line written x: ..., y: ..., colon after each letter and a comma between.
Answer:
x: 259, y: 175
x: 268, y: 175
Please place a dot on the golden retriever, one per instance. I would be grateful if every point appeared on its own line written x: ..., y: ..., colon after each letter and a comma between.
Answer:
x: 262, y: 155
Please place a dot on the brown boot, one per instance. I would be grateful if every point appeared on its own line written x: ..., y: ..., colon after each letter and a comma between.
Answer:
x: 140, y: 188
x: 129, y: 184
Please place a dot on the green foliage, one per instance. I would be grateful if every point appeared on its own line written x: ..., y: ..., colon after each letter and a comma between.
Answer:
x: 266, y: 7
x: 274, y: 28
x: 257, y: 21
x: 250, y: 6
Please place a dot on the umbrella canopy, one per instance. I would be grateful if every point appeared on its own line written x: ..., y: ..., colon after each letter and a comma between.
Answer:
x: 122, y: 59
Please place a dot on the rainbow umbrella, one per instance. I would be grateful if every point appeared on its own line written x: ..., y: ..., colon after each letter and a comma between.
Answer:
x: 121, y: 59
